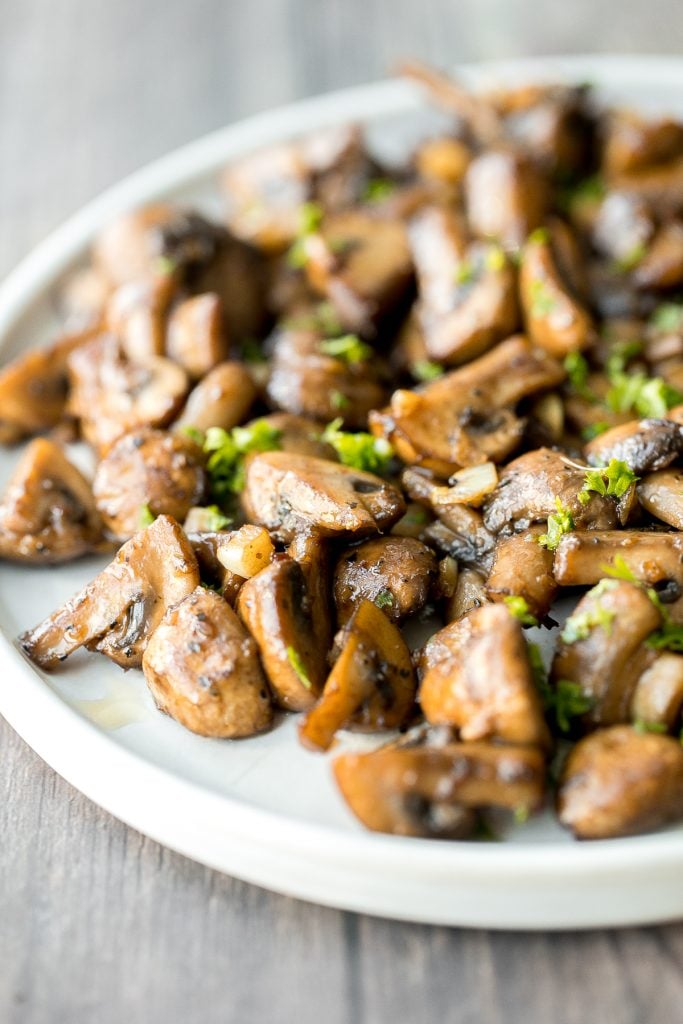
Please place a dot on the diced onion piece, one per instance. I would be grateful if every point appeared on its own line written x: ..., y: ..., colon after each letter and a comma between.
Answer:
x: 467, y: 487
x: 246, y: 551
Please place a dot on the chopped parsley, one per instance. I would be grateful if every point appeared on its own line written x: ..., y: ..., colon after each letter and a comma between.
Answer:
x: 595, y: 429
x: 668, y: 638
x: 310, y: 219
x: 425, y: 370
x: 538, y: 237
x: 377, y: 190
x: 668, y: 317
x: 542, y: 302
x: 631, y: 259
x: 577, y: 371
x: 621, y: 354
x: 569, y: 701
x: 521, y: 814
x: 227, y: 451
x: 147, y: 517
x: 559, y: 523
x: 464, y: 272
x: 361, y: 451
x: 579, y: 625
x: 297, y: 664
x: 166, y: 266
x: 588, y: 190
x: 385, y: 599
x: 495, y: 259
x: 251, y: 351
x: 520, y: 609
x: 642, y: 727
x: 646, y: 396
x: 338, y: 400
x: 619, y: 570
x: 348, y: 348
x: 214, y: 520
x: 612, y: 481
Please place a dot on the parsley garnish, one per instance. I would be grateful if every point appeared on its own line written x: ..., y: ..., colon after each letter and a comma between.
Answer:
x: 589, y: 190
x: 385, y: 599
x: 338, y: 400
x: 227, y: 451
x: 538, y: 237
x: 542, y: 302
x: 214, y: 520
x: 569, y: 701
x: 310, y: 219
x: 147, y: 517
x: 579, y: 625
x: 377, y: 190
x: 668, y: 317
x: 668, y: 638
x: 297, y: 664
x: 646, y: 396
x: 613, y: 480
x: 577, y: 370
x: 594, y: 430
x: 251, y: 351
x: 425, y: 370
x: 630, y: 259
x: 360, y: 450
x: 495, y: 258
x: 559, y: 523
x: 520, y: 609
x: 521, y: 814
x: 348, y: 348
x: 643, y: 727
x: 464, y: 272
x: 621, y: 354
x: 619, y: 570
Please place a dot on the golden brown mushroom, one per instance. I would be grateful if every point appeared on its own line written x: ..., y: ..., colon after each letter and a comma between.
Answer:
x: 47, y: 514
x: 633, y: 142
x: 147, y: 469
x: 584, y: 557
x: 470, y: 592
x: 284, y: 492
x: 396, y: 573
x: 137, y: 313
x: 196, y: 336
x: 661, y: 494
x: 618, y: 782
x: 658, y: 696
x: 202, y: 668
x: 476, y: 677
x: 222, y: 399
x: 523, y: 568
x: 372, y: 684
x: 506, y: 196
x: 643, y: 445
x: 119, y: 610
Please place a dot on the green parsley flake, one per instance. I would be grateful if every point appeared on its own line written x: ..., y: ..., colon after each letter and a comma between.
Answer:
x: 521, y: 814
x: 542, y: 302
x: 646, y: 396
x: 360, y: 451
x: 621, y: 354
x: 377, y: 190
x: 348, y: 348
x: 520, y: 609
x: 338, y: 400
x: 580, y: 625
x: 227, y: 451
x: 630, y: 259
x: 577, y: 371
x: 539, y: 236
x: 642, y: 727
x: 569, y: 702
x: 147, y: 517
x: 591, y: 190
x: 559, y: 523
x: 612, y: 481
x: 310, y: 218
x: 464, y: 272
x: 495, y: 259
x: 619, y: 570
x: 251, y: 351
x: 166, y: 266
x: 214, y: 519
x: 385, y: 599
x: 668, y: 638
x: 297, y: 664
x: 668, y: 317
x: 595, y: 429
x: 425, y: 370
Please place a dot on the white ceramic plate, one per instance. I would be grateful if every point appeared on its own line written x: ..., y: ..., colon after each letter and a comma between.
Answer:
x: 264, y: 809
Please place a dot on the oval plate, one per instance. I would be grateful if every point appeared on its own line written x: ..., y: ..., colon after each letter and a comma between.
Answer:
x: 264, y: 809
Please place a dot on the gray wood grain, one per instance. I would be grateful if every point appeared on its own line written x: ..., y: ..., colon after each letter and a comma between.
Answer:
x: 96, y: 921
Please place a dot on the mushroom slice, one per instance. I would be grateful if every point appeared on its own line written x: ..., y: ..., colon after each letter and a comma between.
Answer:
x: 506, y: 196
x: 362, y: 264
x: 222, y: 399
x: 396, y: 573
x: 530, y: 488
x: 470, y: 592
x: 306, y: 380
x: 136, y: 313
x: 632, y: 142
x: 466, y: 297
x: 523, y: 568
x: 584, y: 557
x: 602, y: 648
x: 462, y: 535
x: 467, y: 417
x: 147, y: 469
x: 202, y: 668
x: 660, y: 187
x: 47, y: 514
x: 119, y: 610
x: 372, y: 684
x: 34, y: 388
x: 284, y: 491
x: 196, y: 337
x: 618, y: 782
x: 643, y: 444
x: 276, y: 607
x: 112, y: 396
x: 658, y: 696
x: 555, y: 317
x: 477, y: 678
x: 661, y: 494
x: 425, y: 790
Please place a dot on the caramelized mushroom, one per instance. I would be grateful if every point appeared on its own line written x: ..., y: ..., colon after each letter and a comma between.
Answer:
x: 285, y: 491
x: 602, y: 648
x: 476, y: 677
x: 643, y: 444
x: 506, y: 196
x: 619, y: 782
x: 222, y: 399
x: 427, y: 790
x: 394, y: 572
x: 470, y: 592
x: 467, y: 416
x: 137, y: 313
x: 523, y: 568
x: 661, y: 494
x: 196, y: 335
x: 119, y: 610
x: 203, y: 669
x: 633, y: 142
x: 584, y: 557
x: 47, y: 514
x: 658, y: 696
x: 372, y: 684
x: 147, y: 469
x: 112, y: 396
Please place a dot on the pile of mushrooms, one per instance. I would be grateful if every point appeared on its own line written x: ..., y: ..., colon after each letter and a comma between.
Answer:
x: 378, y: 404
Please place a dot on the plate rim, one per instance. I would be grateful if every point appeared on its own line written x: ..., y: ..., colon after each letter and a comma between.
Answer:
x: 55, y: 731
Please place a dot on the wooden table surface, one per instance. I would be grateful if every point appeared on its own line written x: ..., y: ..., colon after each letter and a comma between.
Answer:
x: 98, y: 923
